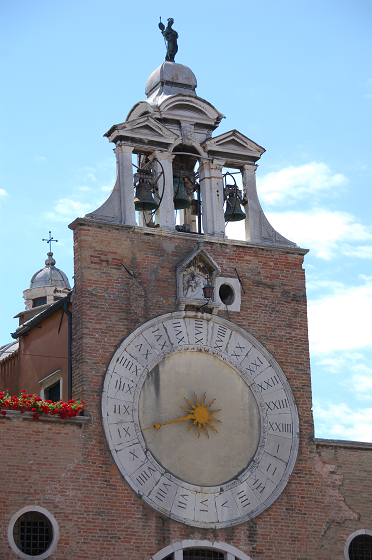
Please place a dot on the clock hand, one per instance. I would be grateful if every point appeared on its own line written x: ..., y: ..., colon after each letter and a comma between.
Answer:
x: 201, y: 415
x: 181, y: 419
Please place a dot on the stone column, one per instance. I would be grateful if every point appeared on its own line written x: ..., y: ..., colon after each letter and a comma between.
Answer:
x: 253, y: 209
x: 125, y: 177
x: 211, y: 187
x: 165, y: 213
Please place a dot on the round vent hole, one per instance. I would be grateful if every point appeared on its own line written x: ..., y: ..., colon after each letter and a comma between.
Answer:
x: 226, y: 294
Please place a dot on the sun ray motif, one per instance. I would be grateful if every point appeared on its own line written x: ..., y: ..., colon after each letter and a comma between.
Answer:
x: 199, y: 413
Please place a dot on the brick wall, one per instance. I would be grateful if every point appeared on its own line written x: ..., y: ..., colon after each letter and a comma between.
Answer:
x: 72, y: 472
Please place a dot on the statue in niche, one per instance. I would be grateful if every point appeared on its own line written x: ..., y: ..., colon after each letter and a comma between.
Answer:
x: 170, y: 36
x: 193, y: 285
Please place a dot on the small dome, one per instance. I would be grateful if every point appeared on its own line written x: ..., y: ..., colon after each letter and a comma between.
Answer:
x: 50, y: 276
x: 7, y: 350
x: 172, y: 74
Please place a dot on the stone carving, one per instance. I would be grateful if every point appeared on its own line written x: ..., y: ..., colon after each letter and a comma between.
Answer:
x: 170, y: 36
x: 188, y: 136
x: 193, y: 285
x: 197, y: 270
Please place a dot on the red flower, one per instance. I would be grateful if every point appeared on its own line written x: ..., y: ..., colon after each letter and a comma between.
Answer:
x: 36, y: 416
x: 3, y: 412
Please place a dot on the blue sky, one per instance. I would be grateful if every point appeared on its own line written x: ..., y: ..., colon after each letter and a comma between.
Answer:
x: 294, y: 76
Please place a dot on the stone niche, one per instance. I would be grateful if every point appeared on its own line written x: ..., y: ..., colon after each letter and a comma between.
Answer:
x: 193, y: 273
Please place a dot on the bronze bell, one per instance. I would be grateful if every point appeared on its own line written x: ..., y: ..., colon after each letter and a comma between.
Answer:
x: 234, y: 211
x: 180, y: 198
x: 144, y: 201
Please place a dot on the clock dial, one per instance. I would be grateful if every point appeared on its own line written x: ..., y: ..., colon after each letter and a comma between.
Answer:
x: 200, y: 419
x: 204, y: 461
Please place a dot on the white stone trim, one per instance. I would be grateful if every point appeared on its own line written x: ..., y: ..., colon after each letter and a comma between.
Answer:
x: 236, y: 288
x: 178, y: 547
x: 351, y: 537
x: 50, y: 380
x: 55, y: 528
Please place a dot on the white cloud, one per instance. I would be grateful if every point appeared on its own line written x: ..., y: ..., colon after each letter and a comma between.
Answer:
x: 67, y: 209
x: 361, y: 251
x: 361, y: 382
x: 3, y: 192
x: 339, y: 421
x: 106, y: 189
x: 341, y: 321
x: 298, y: 182
x: 340, y: 361
x: 350, y: 370
x: 40, y: 158
x: 320, y: 230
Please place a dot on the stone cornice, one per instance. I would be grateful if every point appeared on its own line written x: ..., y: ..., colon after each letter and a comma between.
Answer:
x: 343, y: 443
x: 196, y: 237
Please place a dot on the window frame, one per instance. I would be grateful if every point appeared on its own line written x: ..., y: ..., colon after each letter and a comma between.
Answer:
x: 352, y: 537
x: 55, y: 529
x: 50, y: 380
x: 177, y: 549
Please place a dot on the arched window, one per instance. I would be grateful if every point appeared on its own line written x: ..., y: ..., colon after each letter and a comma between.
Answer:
x: 200, y: 550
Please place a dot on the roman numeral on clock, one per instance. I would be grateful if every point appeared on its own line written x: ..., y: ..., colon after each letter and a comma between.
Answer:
x: 204, y: 503
x: 145, y: 475
x: 280, y: 427
x: 221, y: 333
x: 182, y: 501
x: 269, y: 384
x: 243, y: 498
x: 198, y: 332
x: 277, y: 405
x: 256, y: 364
x: 178, y: 331
x: 125, y: 430
x: 162, y: 492
x: 157, y: 334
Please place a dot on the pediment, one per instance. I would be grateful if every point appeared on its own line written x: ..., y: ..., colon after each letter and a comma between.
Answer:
x: 193, y: 273
x: 145, y: 127
x: 233, y: 141
x: 140, y: 109
x: 190, y: 106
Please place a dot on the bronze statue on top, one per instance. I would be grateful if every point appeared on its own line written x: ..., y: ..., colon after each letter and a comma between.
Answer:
x: 170, y: 36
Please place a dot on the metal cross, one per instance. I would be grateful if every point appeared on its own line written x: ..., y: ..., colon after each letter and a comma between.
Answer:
x: 50, y: 241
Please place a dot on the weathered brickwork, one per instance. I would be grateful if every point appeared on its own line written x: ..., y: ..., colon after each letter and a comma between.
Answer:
x: 68, y: 468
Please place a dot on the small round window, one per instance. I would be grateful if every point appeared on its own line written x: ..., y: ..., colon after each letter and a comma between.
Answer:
x: 226, y: 294
x: 360, y: 548
x: 33, y: 533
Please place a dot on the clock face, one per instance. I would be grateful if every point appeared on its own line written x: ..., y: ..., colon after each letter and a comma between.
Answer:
x: 200, y: 419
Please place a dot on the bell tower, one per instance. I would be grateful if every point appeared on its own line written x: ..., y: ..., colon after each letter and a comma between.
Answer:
x: 190, y: 348
x: 183, y: 178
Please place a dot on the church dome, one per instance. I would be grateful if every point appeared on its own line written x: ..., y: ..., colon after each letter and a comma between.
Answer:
x: 50, y: 276
x: 177, y: 78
